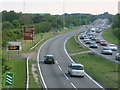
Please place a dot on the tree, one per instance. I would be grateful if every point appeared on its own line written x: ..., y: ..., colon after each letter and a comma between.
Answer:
x: 9, y: 16
x: 15, y: 23
x: 25, y: 19
x: 37, y: 19
x: 7, y: 25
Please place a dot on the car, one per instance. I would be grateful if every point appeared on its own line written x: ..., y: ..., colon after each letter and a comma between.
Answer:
x: 93, y: 45
x: 98, y: 31
x: 76, y: 70
x: 81, y: 36
x: 93, y: 38
x: 86, y: 38
x: 113, y: 47
x: 49, y: 59
x: 88, y: 41
x: 103, y: 43
x: 117, y: 56
x: 97, y: 40
x: 106, y: 51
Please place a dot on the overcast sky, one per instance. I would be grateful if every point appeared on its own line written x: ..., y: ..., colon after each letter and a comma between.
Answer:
x: 61, y: 6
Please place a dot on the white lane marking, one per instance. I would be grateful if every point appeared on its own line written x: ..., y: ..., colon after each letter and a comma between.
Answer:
x: 94, y: 81
x: 66, y: 76
x: 60, y: 68
x: 74, y: 86
x: 74, y: 62
x: 27, y: 84
x: 39, y: 67
x: 38, y: 61
x: 66, y: 50
x: 36, y: 44
x: 56, y: 62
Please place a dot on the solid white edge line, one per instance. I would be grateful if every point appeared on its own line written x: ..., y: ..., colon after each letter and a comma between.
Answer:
x: 73, y: 86
x: 27, y: 84
x: 66, y: 50
x: 66, y: 76
x: 36, y: 44
x: 60, y: 68
x: 74, y: 62
x: 39, y: 67
x: 38, y: 60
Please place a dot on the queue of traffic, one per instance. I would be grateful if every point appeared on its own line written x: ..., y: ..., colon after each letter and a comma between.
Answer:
x: 91, y: 39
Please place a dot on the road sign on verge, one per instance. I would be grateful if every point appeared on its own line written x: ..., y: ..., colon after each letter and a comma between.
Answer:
x: 28, y: 33
x: 9, y: 79
x: 13, y: 46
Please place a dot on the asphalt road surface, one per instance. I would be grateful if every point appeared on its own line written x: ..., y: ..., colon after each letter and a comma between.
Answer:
x: 55, y: 75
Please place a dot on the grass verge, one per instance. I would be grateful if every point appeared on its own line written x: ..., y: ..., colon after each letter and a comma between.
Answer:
x: 19, y: 71
x: 73, y: 47
x: 109, y: 36
x: 100, y: 69
x: 32, y: 83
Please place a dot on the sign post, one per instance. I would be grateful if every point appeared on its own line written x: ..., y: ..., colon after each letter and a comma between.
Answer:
x: 9, y: 79
x: 28, y: 33
x: 13, y: 46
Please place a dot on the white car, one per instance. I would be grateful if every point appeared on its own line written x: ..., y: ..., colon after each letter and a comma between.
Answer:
x: 118, y: 56
x: 113, y: 47
x: 76, y: 70
x: 106, y: 51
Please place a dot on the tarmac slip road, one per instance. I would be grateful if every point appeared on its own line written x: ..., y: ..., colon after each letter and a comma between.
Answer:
x: 56, y: 75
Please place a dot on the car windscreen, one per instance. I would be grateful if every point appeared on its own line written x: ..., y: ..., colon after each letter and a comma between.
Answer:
x: 106, y: 49
x: 50, y: 57
x: 77, y: 67
x: 112, y: 45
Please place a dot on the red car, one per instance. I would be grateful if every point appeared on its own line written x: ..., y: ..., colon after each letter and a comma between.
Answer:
x: 103, y: 43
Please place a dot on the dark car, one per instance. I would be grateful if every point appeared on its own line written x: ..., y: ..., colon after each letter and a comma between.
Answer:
x: 93, y: 45
x: 49, y: 59
x: 88, y: 41
x: 97, y: 40
x: 81, y: 36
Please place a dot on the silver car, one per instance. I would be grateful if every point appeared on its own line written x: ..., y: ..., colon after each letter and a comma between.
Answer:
x: 76, y: 70
x: 117, y: 56
x: 106, y: 51
x: 113, y: 47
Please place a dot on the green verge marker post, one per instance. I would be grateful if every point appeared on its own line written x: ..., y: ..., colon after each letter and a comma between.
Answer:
x: 9, y: 79
x: 41, y: 36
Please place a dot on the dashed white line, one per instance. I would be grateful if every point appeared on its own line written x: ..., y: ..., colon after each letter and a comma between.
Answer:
x: 66, y: 76
x: 60, y: 68
x: 74, y: 86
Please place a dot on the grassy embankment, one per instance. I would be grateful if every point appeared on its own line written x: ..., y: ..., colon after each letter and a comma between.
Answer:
x: 73, y: 47
x: 100, y: 69
x: 19, y: 67
x: 111, y: 35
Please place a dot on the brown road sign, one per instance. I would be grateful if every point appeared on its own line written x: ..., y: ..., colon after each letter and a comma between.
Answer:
x: 28, y: 33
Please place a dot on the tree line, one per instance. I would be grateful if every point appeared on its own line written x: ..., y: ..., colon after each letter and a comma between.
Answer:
x: 116, y: 26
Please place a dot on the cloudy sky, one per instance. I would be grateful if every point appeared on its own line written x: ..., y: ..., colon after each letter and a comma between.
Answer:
x: 61, y: 6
